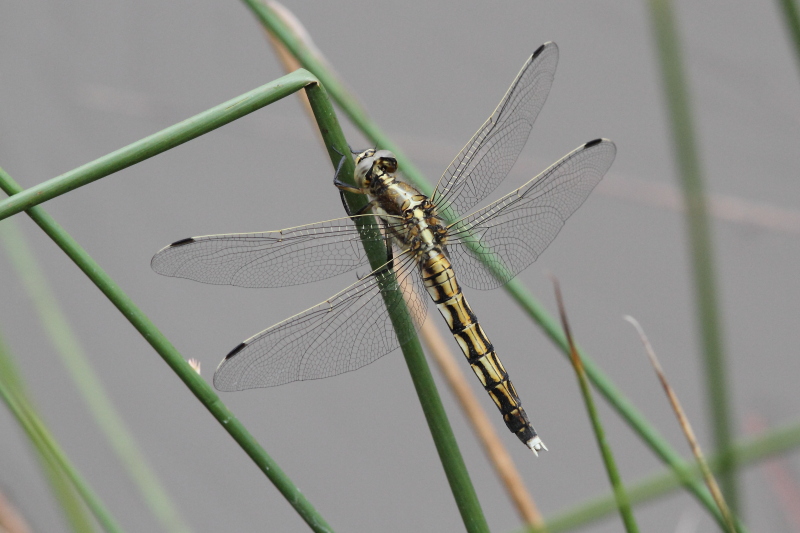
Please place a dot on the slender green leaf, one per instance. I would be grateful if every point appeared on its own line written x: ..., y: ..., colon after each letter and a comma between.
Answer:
x: 676, y: 92
x: 518, y: 292
x: 747, y: 452
x: 157, y: 143
x: 441, y: 431
x: 620, y: 495
x: 88, y: 383
x: 71, y: 504
x: 46, y: 444
x: 173, y: 358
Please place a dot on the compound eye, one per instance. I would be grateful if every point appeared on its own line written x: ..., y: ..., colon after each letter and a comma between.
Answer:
x: 388, y: 164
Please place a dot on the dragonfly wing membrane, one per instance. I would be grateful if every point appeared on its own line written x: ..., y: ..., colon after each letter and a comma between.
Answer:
x: 494, y: 244
x: 270, y: 259
x: 349, y: 330
x: 488, y: 157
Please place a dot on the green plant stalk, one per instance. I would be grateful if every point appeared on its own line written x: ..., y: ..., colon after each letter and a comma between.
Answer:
x: 157, y: 143
x: 620, y: 496
x: 791, y: 17
x: 74, y: 511
x: 42, y: 439
x: 701, y: 245
x: 518, y: 292
x: 196, y: 384
x: 747, y: 452
x: 441, y: 431
x: 336, y: 89
x: 86, y: 381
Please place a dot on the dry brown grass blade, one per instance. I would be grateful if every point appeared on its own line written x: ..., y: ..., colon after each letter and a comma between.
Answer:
x: 490, y: 440
x: 498, y: 455
x: 11, y: 521
x: 716, y: 493
x: 290, y: 64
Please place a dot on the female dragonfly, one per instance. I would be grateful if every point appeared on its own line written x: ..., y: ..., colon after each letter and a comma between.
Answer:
x: 432, y: 235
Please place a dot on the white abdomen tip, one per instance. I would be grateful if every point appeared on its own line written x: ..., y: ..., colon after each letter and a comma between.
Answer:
x: 536, y: 445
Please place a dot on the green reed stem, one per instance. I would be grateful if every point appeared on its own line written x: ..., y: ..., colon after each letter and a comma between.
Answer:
x: 157, y: 143
x: 518, y: 292
x: 747, y: 452
x: 70, y: 502
x: 791, y: 16
x: 196, y: 384
x: 620, y: 495
x: 676, y: 92
x: 441, y: 431
x: 49, y: 449
x: 87, y: 382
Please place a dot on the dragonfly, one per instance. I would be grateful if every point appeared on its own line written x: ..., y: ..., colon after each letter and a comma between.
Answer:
x: 430, y: 246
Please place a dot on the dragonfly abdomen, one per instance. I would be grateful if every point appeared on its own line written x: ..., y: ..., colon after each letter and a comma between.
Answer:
x: 441, y: 284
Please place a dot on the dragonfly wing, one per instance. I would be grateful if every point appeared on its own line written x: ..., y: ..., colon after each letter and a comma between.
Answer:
x: 488, y: 157
x: 508, y: 235
x: 270, y: 259
x: 349, y: 330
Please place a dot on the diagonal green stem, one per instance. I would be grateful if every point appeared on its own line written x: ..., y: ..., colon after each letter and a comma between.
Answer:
x: 747, y: 452
x: 88, y: 383
x: 620, y: 494
x: 791, y: 16
x: 44, y: 441
x: 518, y: 292
x: 701, y: 244
x: 157, y: 143
x: 173, y: 358
x: 443, y: 437
x: 75, y: 512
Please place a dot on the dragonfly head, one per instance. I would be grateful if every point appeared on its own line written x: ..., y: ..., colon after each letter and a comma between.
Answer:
x: 370, y: 163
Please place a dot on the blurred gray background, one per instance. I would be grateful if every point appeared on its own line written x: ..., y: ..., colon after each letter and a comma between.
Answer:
x: 81, y: 79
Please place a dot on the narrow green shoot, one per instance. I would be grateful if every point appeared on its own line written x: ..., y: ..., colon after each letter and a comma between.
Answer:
x: 687, y: 161
x: 747, y: 452
x: 791, y: 16
x: 197, y: 385
x: 515, y: 289
x: 443, y: 437
x: 621, y: 497
x: 76, y: 514
x: 47, y: 446
x: 87, y: 382
x: 157, y: 143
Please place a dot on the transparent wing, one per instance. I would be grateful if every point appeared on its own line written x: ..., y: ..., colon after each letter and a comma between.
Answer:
x: 345, y: 332
x: 509, y: 234
x: 270, y: 259
x: 488, y: 157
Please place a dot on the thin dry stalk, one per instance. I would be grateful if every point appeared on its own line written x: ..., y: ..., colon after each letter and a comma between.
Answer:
x: 716, y: 493
x: 492, y: 445
x: 498, y: 455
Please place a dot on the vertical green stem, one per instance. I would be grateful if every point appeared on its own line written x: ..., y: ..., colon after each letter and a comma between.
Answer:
x: 443, y: 437
x: 699, y: 233
x: 791, y: 17
x: 196, y: 384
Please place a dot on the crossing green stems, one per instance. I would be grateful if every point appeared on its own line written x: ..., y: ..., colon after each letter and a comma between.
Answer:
x: 518, y: 292
x: 441, y: 431
x: 157, y: 143
x: 101, y: 406
x: 196, y: 384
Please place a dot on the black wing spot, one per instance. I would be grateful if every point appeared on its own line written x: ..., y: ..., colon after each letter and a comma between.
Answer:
x: 538, y: 51
x: 593, y: 143
x: 183, y: 241
x: 236, y: 350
